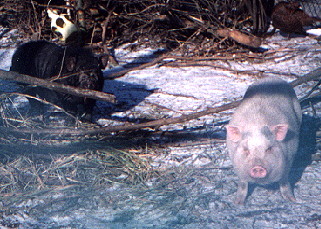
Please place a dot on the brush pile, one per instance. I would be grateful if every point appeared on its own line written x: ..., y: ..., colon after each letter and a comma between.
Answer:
x: 186, y: 24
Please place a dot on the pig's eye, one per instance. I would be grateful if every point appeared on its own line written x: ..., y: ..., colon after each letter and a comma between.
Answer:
x: 246, y: 151
x: 268, y: 150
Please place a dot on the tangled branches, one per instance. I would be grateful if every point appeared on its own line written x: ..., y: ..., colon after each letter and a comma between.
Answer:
x: 186, y: 24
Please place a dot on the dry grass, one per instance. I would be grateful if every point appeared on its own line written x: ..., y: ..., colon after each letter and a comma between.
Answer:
x: 15, y: 113
x: 30, y: 173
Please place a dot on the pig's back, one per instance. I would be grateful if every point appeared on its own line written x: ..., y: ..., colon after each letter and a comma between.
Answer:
x: 40, y: 59
x: 270, y: 101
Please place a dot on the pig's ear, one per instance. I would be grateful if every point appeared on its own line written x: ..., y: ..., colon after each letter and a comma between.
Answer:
x: 280, y: 131
x: 233, y: 133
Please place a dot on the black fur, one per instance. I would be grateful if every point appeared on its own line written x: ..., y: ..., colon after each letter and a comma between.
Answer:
x: 45, y: 60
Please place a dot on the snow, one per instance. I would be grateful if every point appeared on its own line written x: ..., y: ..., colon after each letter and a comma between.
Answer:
x: 315, y: 32
x: 5, y: 57
x: 202, y: 185
x: 182, y: 90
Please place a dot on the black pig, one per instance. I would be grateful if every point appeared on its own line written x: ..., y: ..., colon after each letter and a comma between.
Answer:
x: 74, y: 66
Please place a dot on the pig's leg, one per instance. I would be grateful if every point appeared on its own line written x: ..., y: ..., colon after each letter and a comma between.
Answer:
x: 286, y: 191
x: 241, y: 193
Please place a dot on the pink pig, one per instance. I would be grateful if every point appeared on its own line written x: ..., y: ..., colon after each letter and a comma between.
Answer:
x: 263, y: 136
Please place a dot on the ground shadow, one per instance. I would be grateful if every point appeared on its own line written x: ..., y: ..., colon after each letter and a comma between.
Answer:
x: 127, y: 95
x: 307, y: 147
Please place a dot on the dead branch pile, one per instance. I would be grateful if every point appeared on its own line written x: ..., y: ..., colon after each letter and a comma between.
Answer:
x: 188, y: 24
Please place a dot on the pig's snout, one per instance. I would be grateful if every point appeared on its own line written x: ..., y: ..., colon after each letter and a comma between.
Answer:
x: 258, y: 172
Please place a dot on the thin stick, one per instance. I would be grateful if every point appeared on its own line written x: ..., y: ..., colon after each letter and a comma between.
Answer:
x: 313, y: 75
x: 108, y: 129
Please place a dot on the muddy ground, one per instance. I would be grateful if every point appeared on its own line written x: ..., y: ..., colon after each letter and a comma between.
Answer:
x: 191, y: 183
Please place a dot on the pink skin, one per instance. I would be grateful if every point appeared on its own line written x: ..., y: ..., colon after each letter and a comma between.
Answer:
x: 262, y: 160
x: 258, y: 172
x: 263, y: 136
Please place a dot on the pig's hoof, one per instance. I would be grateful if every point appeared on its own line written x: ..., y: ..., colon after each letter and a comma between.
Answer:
x: 289, y: 197
x: 287, y: 193
x: 239, y: 200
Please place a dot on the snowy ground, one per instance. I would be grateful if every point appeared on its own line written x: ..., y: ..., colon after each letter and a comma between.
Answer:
x: 198, y: 187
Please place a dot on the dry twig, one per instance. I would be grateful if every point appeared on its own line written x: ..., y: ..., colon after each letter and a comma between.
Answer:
x: 108, y: 129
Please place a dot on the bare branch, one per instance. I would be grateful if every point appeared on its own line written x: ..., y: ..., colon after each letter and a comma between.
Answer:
x: 146, y: 65
x: 14, y: 76
x: 313, y: 75
x: 155, y: 123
